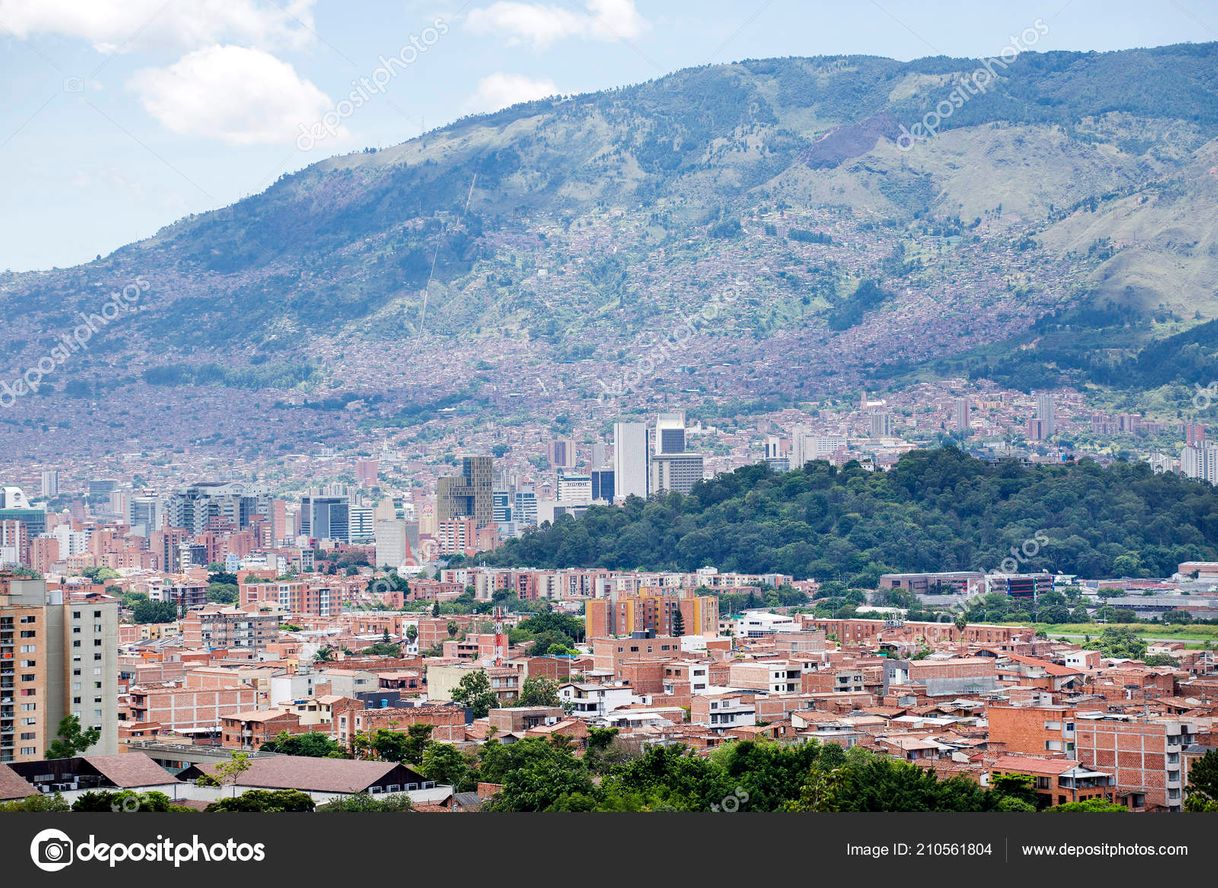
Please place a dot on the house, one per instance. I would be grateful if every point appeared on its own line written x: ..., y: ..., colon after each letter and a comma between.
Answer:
x: 13, y: 785
x: 74, y: 776
x: 593, y: 700
x: 1059, y: 780
x: 327, y: 779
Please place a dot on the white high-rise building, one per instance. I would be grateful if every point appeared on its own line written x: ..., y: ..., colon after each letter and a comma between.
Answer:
x: 630, y: 460
x: 392, y: 545
x: 1200, y: 461
x: 50, y: 483
x: 574, y: 487
x: 677, y: 472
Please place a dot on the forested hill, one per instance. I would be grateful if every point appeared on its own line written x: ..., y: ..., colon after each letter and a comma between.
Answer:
x: 936, y: 510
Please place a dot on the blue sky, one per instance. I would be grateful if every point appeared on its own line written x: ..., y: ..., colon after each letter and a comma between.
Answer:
x: 120, y: 116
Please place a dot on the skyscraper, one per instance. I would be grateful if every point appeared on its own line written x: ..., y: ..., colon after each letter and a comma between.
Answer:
x: 469, y: 494
x: 392, y: 543
x: 881, y: 424
x: 326, y: 518
x: 602, y: 485
x: 964, y: 416
x: 50, y: 483
x: 670, y: 433
x: 630, y: 458
x: 1045, y: 414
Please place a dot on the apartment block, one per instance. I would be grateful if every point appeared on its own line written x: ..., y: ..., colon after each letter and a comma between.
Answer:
x: 58, y: 657
x: 1144, y: 754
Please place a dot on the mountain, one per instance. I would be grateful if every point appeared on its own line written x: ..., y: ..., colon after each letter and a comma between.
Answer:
x: 752, y: 233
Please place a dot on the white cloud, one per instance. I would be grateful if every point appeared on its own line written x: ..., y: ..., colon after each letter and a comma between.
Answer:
x: 541, y: 24
x: 237, y: 95
x: 117, y: 25
x: 501, y: 90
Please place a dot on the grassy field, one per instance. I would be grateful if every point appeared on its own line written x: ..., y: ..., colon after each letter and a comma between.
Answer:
x: 1192, y: 636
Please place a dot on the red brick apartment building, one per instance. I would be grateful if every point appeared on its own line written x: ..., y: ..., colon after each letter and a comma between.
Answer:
x: 1032, y: 730
x: 1144, y: 754
x: 249, y: 730
x: 608, y: 654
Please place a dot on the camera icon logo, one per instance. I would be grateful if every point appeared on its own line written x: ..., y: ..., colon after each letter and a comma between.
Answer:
x: 51, y: 850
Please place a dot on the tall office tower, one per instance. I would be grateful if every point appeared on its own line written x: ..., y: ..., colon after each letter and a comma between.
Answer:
x: 144, y: 515
x: 574, y: 487
x: 102, y: 487
x: 468, y: 495
x: 325, y: 518
x: 524, y: 508
x: 501, y: 506
x: 881, y: 424
x: 1045, y: 413
x: 392, y: 543
x: 199, y: 507
x: 600, y: 456
x: 602, y: 485
x: 964, y: 416
x: 367, y: 472
x: 50, y: 483
x: 62, y: 659
x: 360, y: 524
x: 1194, y: 433
x: 630, y: 457
x: 561, y: 453
x: 675, y: 472
x: 802, y: 447
x: 670, y: 433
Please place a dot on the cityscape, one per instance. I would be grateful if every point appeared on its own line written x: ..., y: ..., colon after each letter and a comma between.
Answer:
x: 616, y: 407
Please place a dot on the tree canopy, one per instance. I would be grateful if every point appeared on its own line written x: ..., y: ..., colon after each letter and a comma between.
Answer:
x: 935, y: 510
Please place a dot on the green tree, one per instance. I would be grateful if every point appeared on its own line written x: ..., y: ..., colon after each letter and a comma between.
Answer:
x: 474, y: 692
x: 41, y: 803
x: 72, y: 740
x: 126, y: 801
x: 272, y: 801
x: 1202, y: 793
x: 148, y: 611
x: 538, y: 691
x: 230, y: 771
x: 445, y: 764
x: 1123, y: 642
x: 1089, y: 806
x: 537, y: 776
x: 363, y: 803
x: 313, y: 744
x: 678, y: 623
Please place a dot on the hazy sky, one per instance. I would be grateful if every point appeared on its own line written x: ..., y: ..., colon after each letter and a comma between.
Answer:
x: 120, y: 116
